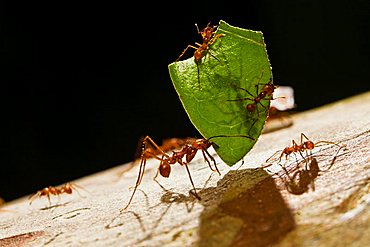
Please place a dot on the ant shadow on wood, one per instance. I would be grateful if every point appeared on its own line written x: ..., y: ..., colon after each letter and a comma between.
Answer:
x: 250, y: 204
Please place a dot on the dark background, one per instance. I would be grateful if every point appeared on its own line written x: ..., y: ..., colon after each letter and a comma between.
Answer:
x: 84, y: 82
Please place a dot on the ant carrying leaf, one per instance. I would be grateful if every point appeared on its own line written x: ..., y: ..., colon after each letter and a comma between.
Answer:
x: 183, y: 157
x: 244, y: 55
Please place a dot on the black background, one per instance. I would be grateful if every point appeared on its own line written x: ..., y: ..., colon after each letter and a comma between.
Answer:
x: 85, y: 81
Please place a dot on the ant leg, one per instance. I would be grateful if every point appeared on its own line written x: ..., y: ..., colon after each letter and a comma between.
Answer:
x: 191, y: 180
x: 328, y: 142
x: 334, y: 158
x: 273, y: 155
x: 242, y: 99
x: 49, y: 200
x: 198, y: 75
x: 138, y: 181
x: 304, y: 136
x: 33, y: 197
x: 209, y: 164
x: 189, y: 46
x: 254, y: 122
x: 75, y: 186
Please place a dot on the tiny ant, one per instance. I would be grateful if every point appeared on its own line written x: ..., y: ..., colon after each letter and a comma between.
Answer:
x: 47, y: 191
x: 188, y: 151
x: 265, y: 94
x: 209, y: 37
x: 303, y: 178
x: 306, y: 145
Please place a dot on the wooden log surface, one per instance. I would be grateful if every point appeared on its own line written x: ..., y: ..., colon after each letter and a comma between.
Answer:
x: 245, y: 206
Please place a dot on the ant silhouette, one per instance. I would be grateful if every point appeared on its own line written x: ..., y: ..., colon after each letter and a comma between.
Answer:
x: 209, y: 38
x: 303, y: 179
x: 188, y: 151
x: 47, y: 191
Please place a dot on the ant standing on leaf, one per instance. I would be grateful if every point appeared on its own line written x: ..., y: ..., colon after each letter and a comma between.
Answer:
x: 265, y: 94
x: 209, y: 38
x: 47, y: 191
x: 188, y: 151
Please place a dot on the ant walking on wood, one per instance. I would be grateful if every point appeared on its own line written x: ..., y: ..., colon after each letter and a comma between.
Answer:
x: 209, y: 38
x: 304, y: 146
x: 302, y: 179
x: 47, y: 191
x: 188, y: 151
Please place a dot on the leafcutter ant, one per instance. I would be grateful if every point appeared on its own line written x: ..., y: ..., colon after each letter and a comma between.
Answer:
x: 183, y: 157
x: 304, y: 146
x: 265, y: 94
x: 208, y: 38
x: 47, y: 191
x: 303, y: 179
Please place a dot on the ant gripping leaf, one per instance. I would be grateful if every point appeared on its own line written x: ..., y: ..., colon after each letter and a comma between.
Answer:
x: 210, y: 90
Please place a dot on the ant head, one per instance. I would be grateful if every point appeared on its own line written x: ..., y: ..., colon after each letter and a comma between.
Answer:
x: 269, y: 89
x: 309, y: 145
x: 68, y: 189
x: 251, y: 107
x: 164, y: 169
x: 202, y: 144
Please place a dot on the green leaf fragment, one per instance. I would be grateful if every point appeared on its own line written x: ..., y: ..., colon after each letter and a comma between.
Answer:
x: 212, y: 98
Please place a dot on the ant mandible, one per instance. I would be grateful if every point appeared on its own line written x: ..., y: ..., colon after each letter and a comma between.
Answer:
x: 209, y: 37
x: 188, y: 151
x: 47, y: 191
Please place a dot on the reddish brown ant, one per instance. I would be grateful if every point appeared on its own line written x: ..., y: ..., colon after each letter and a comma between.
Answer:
x: 306, y: 146
x: 209, y: 38
x: 47, y: 191
x: 188, y: 151
x: 168, y: 145
x: 302, y: 179
x: 265, y: 94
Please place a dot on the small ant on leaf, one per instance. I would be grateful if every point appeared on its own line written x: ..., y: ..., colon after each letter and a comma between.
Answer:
x: 265, y: 94
x: 47, y: 191
x: 209, y: 38
x: 187, y: 152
